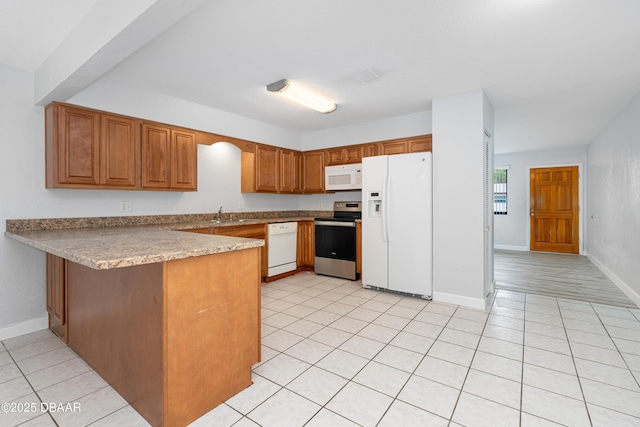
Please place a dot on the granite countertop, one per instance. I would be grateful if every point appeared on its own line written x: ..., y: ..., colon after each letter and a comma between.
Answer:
x: 103, y: 248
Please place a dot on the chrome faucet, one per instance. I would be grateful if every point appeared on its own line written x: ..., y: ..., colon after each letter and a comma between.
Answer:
x: 220, y: 214
x: 230, y: 216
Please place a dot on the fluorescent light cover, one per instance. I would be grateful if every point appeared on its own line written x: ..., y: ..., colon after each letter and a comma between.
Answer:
x: 297, y: 94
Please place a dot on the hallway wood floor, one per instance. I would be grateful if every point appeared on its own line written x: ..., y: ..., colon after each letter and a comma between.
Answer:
x: 558, y: 275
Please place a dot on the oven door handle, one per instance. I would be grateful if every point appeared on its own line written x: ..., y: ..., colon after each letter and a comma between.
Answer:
x: 336, y: 223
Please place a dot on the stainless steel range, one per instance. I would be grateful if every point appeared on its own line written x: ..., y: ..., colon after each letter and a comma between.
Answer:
x: 336, y: 241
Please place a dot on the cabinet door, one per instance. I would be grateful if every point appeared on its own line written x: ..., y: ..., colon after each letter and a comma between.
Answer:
x: 306, y: 244
x: 266, y: 168
x: 184, y: 160
x: 286, y: 171
x: 370, y: 150
x: 313, y: 166
x: 290, y: 172
x: 296, y: 173
x: 57, y: 295
x: 335, y: 156
x: 156, y: 156
x: 78, y: 148
x: 120, y: 155
x: 353, y: 154
x: 419, y: 144
x: 394, y: 147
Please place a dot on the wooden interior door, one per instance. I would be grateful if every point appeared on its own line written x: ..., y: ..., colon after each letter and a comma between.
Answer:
x: 554, y: 209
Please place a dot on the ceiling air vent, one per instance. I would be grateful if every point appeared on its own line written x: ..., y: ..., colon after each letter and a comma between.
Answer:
x: 366, y: 76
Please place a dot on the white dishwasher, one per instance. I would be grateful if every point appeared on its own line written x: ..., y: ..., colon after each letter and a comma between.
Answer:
x: 283, y: 242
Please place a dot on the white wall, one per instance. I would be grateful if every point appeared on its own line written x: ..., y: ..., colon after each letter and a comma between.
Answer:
x: 512, y: 230
x: 22, y: 277
x: 458, y: 198
x: 613, y: 200
x: 377, y: 130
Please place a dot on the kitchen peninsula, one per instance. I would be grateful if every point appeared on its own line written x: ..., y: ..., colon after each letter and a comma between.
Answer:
x: 170, y: 320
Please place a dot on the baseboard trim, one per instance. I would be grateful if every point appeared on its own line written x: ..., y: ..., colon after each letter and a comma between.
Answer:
x: 477, y: 303
x: 22, y: 328
x: 511, y: 248
x: 628, y: 291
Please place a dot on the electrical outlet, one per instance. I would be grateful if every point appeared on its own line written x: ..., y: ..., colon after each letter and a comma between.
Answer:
x: 241, y: 204
x: 126, y: 206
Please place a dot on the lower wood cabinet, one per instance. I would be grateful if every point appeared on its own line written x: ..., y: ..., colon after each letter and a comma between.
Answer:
x: 306, y: 245
x: 57, y: 295
x: 249, y: 231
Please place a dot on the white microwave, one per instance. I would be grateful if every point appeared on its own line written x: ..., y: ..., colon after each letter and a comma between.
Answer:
x: 343, y: 177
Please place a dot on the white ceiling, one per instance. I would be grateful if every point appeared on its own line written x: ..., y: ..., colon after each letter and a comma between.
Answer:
x: 556, y: 71
x: 31, y: 29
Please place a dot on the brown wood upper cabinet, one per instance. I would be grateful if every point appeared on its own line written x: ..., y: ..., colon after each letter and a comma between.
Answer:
x: 267, y: 168
x: 419, y: 144
x: 344, y: 155
x: 313, y: 171
x: 270, y: 169
x: 168, y: 158
x: 290, y: 172
x: 89, y: 149
x: 92, y: 149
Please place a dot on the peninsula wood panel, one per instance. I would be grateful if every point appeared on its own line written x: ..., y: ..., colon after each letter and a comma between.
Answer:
x: 554, y: 209
x: 116, y: 326
x: 175, y: 338
x: 212, y: 327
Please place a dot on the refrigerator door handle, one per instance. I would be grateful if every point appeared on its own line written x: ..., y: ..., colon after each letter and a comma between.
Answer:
x: 385, y: 209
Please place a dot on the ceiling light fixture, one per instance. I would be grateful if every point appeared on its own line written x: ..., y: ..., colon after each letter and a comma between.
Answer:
x: 295, y: 93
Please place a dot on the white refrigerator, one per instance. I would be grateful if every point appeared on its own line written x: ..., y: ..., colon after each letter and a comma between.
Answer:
x: 397, y: 223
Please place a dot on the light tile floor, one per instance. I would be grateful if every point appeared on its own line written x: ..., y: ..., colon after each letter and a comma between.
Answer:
x: 335, y: 354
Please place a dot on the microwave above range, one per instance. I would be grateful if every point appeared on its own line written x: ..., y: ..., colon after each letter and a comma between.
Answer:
x: 343, y: 177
